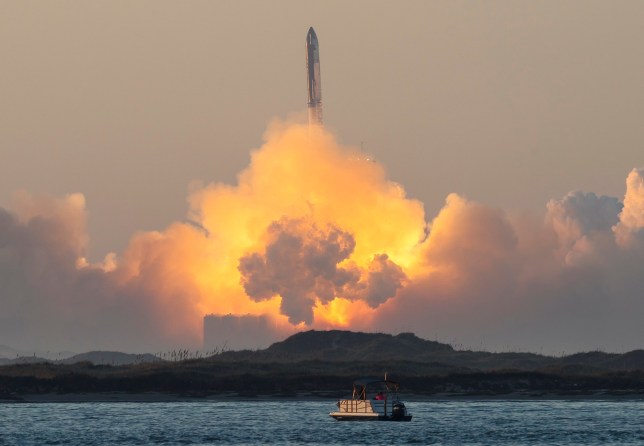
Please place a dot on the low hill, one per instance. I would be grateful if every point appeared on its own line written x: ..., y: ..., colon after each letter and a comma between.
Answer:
x: 23, y: 360
x: 403, y: 351
x: 337, y: 345
x: 348, y: 346
x: 324, y: 363
x: 93, y: 357
x: 111, y: 358
x: 9, y: 355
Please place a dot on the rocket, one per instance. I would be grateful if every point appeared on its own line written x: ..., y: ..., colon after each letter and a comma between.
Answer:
x: 313, y: 78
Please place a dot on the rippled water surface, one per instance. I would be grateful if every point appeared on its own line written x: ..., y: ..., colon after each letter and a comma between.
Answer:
x: 305, y: 422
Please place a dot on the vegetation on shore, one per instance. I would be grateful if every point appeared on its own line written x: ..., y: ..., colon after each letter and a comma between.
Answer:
x: 325, y: 364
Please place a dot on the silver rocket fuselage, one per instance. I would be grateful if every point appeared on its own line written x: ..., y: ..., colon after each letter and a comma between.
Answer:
x: 313, y: 78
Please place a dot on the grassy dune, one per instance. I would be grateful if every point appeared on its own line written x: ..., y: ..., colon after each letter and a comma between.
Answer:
x: 325, y: 364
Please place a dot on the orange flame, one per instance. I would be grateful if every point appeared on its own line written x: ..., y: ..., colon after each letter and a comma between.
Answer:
x: 295, y: 175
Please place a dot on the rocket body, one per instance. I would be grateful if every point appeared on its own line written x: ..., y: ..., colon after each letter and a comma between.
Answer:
x: 313, y: 78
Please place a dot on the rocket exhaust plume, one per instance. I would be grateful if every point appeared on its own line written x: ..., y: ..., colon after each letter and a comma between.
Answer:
x: 267, y: 256
x: 314, y: 235
x: 313, y: 78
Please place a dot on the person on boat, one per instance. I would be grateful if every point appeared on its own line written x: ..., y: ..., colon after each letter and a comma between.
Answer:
x: 379, y: 396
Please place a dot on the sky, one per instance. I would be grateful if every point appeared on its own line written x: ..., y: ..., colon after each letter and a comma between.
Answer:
x: 141, y: 133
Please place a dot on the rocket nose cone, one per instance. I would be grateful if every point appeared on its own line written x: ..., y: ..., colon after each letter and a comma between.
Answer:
x: 311, y: 35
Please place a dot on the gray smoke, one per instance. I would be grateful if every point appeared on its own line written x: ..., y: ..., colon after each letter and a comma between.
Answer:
x: 571, y: 281
x: 48, y: 300
x: 568, y: 280
x: 301, y: 263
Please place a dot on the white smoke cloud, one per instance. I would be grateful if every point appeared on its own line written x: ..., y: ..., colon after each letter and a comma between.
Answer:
x: 630, y: 229
x: 509, y: 282
x: 580, y: 221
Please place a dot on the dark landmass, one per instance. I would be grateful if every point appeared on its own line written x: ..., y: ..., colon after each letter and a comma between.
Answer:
x: 95, y: 357
x: 324, y: 364
x: 110, y: 358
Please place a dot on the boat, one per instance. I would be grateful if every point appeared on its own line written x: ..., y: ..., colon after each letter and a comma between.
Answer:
x: 372, y: 400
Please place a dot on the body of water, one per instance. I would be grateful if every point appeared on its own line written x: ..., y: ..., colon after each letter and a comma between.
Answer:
x: 305, y: 422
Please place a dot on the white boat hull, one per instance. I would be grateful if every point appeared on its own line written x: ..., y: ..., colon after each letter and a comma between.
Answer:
x: 370, y: 410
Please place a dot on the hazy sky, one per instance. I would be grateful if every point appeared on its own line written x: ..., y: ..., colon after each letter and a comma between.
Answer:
x: 509, y: 104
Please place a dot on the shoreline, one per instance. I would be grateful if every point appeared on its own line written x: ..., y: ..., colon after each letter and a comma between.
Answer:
x: 158, y: 397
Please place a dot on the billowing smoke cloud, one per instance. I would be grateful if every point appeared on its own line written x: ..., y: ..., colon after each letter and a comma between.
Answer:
x: 630, y: 229
x: 52, y: 299
x: 570, y: 281
x: 301, y: 264
x: 579, y: 220
x: 315, y: 236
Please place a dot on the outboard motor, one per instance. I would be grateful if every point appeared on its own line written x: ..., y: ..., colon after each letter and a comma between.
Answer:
x: 398, y: 411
